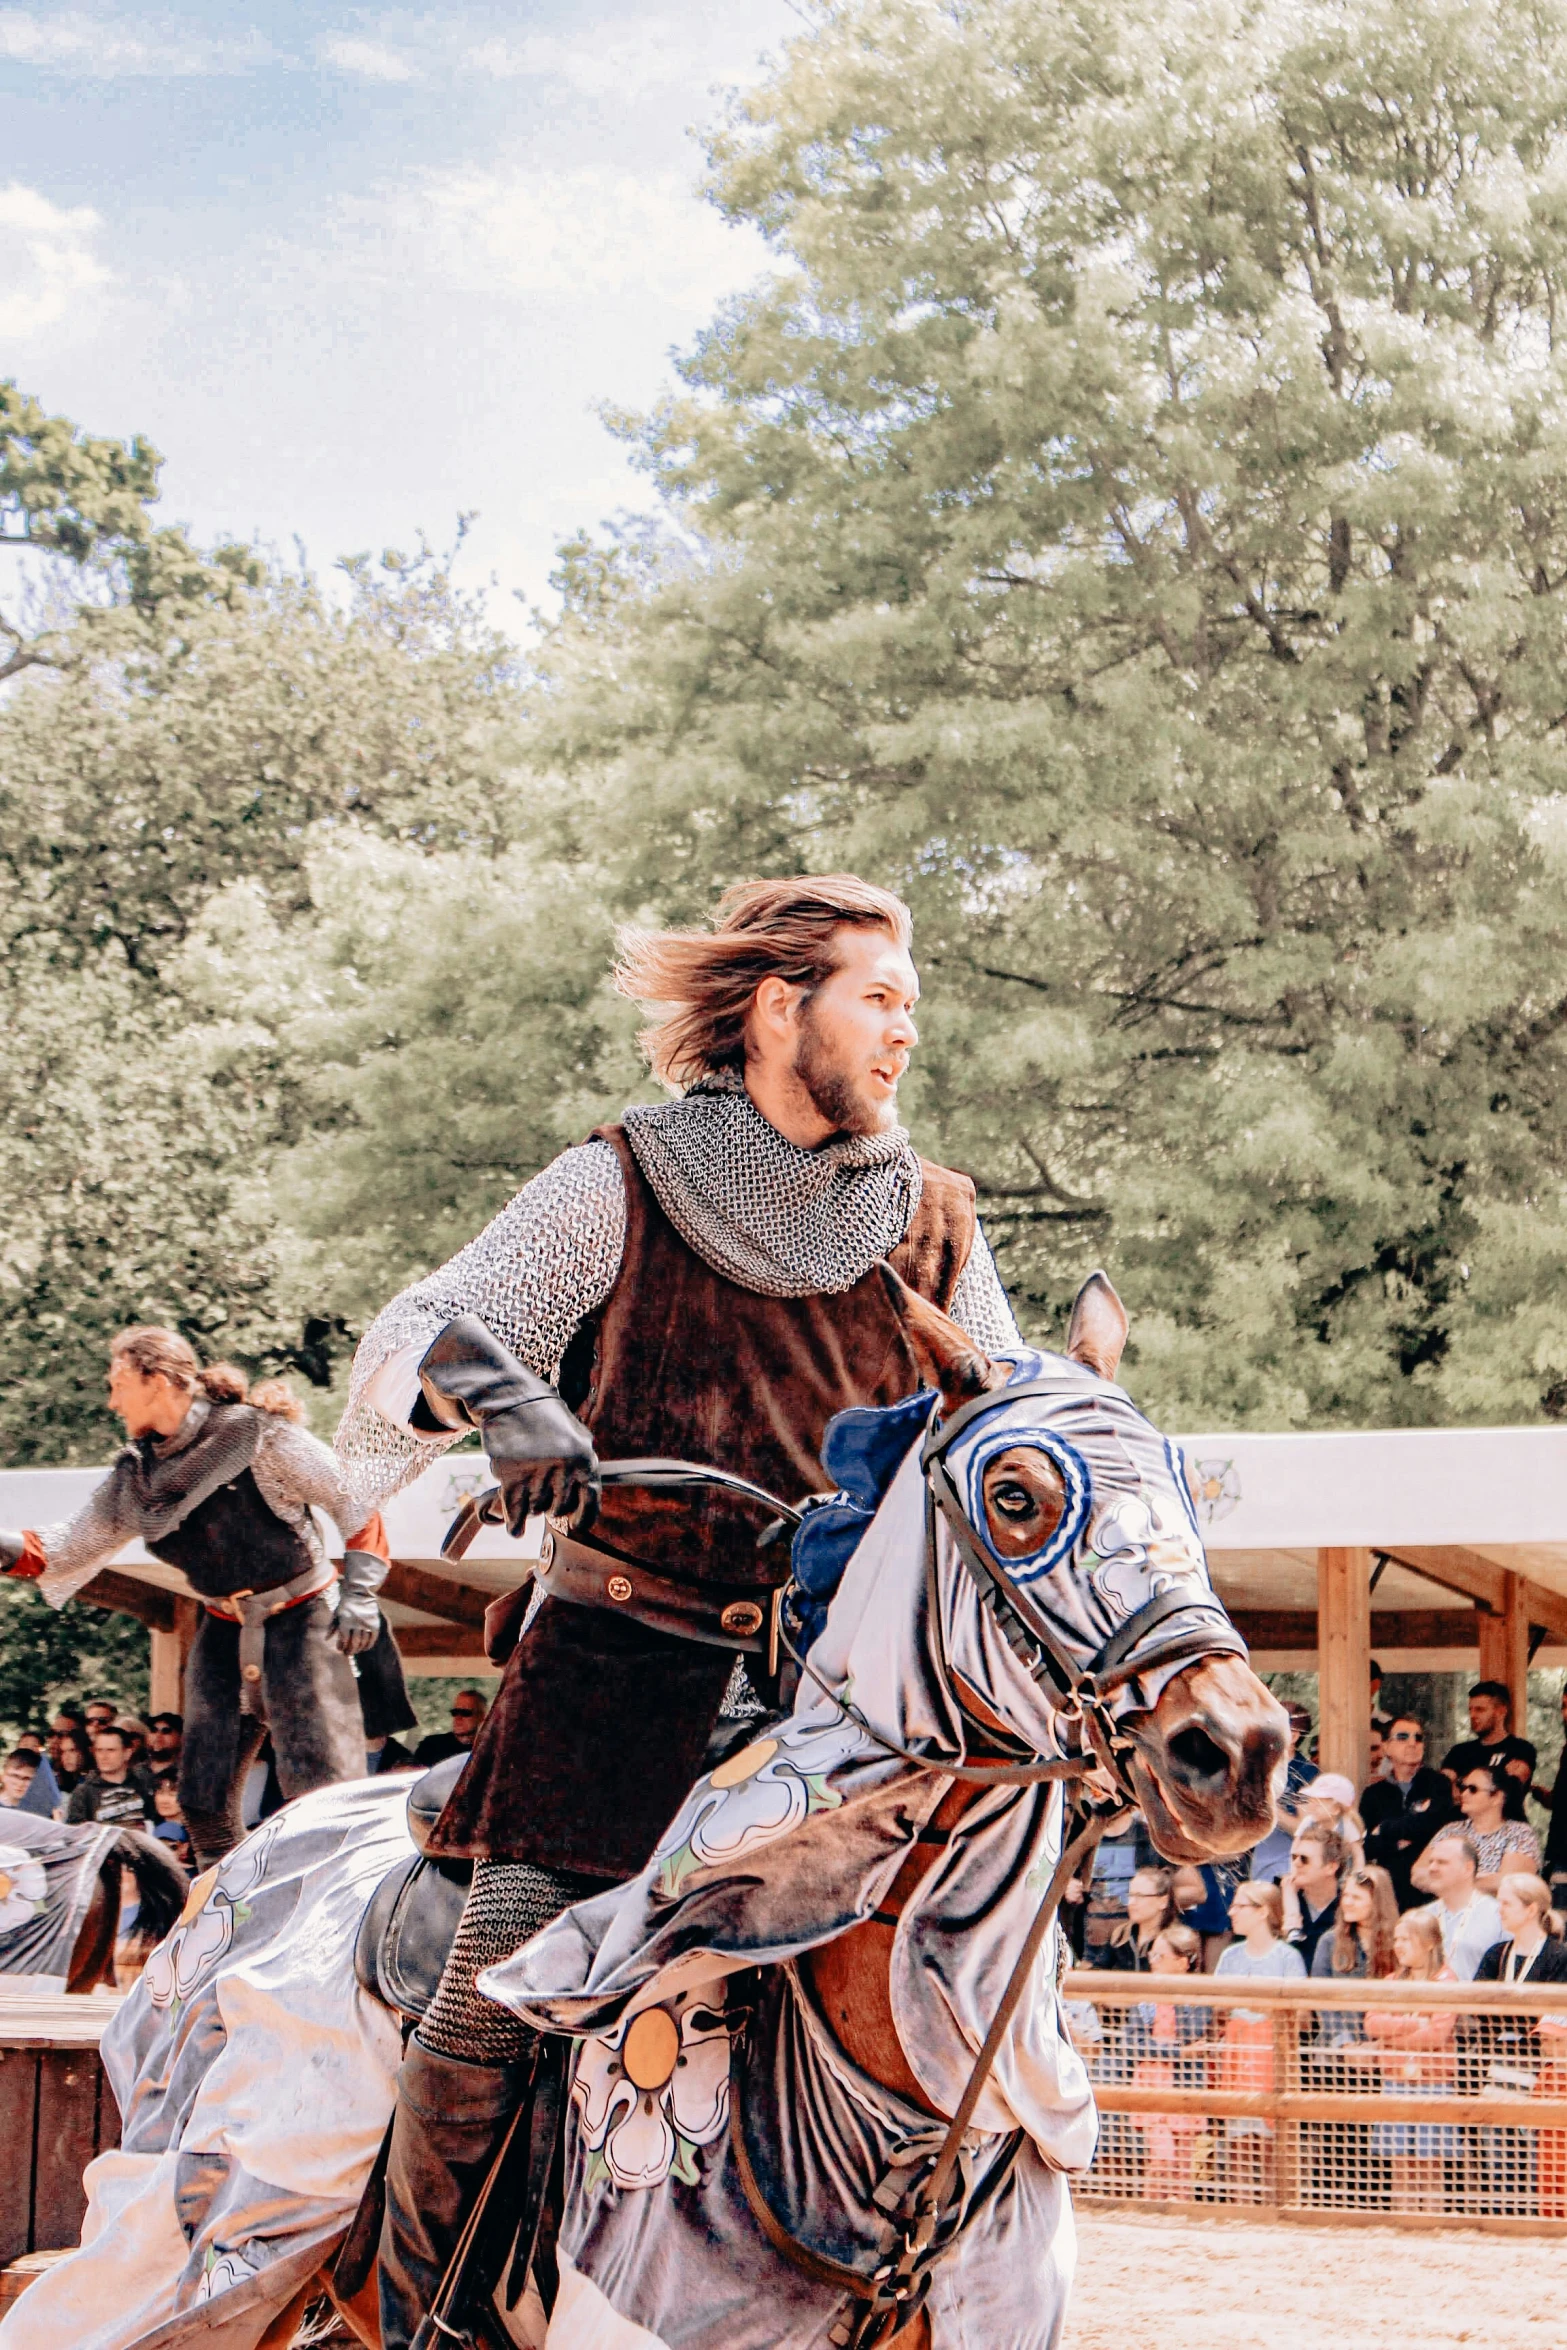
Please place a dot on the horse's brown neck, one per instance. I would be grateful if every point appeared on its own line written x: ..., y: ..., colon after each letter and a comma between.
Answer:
x: 850, y: 1977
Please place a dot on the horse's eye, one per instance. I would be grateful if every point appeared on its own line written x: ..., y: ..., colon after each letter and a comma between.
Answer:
x: 1013, y: 1501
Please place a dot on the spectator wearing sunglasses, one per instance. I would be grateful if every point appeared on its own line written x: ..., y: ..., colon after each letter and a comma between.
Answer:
x: 1404, y: 1811
x: 468, y: 1711
x: 1503, y: 1847
x: 1311, y: 1889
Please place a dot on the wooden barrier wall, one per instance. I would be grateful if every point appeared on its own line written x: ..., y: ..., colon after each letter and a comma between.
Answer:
x: 56, y: 2112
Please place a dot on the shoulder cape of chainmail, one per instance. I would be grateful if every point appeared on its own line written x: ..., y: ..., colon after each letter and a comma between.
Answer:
x: 160, y: 1487
x: 768, y: 1215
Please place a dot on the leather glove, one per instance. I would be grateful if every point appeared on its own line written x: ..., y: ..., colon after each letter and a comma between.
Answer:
x: 356, y: 1620
x: 542, y: 1455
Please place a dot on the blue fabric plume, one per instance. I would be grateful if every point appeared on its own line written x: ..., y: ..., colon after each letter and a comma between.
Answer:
x: 864, y: 1448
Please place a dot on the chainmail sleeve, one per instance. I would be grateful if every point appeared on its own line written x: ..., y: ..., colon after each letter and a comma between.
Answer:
x: 77, y: 1547
x: 549, y: 1258
x: 295, y: 1473
x: 979, y: 1303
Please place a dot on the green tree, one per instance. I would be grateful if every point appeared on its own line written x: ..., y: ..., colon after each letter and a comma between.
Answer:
x: 447, y: 1023
x: 175, y: 754
x: 1133, y: 517
x: 86, y: 499
x: 49, y: 1654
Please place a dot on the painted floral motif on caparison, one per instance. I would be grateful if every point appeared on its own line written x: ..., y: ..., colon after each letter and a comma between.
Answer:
x: 24, y: 1888
x: 653, y: 2090
x: 214, y: 1906
x: 753, y: 1798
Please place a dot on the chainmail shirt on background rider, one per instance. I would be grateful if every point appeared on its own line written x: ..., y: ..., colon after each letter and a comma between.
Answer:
x: 773, y: 1218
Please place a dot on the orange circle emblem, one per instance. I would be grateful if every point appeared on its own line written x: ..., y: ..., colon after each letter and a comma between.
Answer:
x: 735, y: 1771
x: 200, y: 1894
x: 650, y: 2048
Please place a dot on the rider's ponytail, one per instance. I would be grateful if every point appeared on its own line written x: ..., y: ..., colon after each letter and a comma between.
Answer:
x: 160, y: 1353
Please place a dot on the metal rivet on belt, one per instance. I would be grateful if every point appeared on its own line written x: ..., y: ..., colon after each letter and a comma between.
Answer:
x: 251, y: 1672
x: 619, y: 1587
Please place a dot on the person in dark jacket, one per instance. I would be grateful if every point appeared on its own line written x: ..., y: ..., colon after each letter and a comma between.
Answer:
x: 1504, y: 2055
x: 221, y: 1484
x: 468, y: 1710
x: 1404, y: 1811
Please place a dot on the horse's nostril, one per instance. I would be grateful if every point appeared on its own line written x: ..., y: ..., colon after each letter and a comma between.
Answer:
x: 1199, y: 1755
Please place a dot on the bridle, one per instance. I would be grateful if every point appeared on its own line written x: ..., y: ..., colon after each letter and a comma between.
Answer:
x: 1079, y: 1694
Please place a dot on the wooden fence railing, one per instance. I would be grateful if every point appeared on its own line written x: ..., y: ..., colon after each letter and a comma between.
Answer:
x: 1296, y: 2100
x: 56, y: 2112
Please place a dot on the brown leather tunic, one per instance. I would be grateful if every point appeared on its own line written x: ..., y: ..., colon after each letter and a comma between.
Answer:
x: 600, y: 1723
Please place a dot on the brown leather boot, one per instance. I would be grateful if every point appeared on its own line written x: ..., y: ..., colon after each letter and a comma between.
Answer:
x: 448, y: 2128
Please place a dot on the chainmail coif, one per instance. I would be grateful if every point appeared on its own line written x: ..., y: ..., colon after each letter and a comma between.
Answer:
x: 767, y: 1214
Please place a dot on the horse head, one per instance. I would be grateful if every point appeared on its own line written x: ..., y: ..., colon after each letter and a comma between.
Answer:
x: 1077, y: 1514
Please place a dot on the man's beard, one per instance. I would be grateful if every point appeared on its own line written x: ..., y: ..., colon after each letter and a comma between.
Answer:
x: 834, y: 1093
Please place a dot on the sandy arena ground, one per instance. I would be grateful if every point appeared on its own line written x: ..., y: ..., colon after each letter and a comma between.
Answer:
x: 1150, y: 2283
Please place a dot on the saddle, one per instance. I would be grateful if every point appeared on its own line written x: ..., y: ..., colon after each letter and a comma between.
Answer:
x: 407, y: 1930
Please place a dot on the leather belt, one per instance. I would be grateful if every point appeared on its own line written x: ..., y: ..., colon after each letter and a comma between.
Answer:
x: 719, y: 1615
x: 250, y: 1610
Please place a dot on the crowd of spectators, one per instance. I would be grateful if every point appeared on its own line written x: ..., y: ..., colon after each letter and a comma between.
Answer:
x: 97, y: 1762
x: 1431, y: 1872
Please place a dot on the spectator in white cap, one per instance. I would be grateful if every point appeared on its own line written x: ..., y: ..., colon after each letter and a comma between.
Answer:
x: 1329, y: 1802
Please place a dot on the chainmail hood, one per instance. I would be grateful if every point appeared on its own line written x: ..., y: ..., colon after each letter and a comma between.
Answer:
x: 768, y: 1215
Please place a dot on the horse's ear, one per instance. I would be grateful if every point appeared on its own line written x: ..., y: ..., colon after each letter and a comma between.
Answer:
x: 1097, y: 1332
x: 946, y: 1355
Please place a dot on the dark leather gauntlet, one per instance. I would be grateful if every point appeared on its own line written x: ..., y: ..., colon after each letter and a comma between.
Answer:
x: 543, y: 1457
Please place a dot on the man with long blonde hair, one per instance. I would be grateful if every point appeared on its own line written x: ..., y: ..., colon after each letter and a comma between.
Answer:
x: 702, y: 1281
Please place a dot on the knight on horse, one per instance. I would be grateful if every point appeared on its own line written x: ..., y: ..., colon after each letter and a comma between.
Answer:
x: 700, y: 1281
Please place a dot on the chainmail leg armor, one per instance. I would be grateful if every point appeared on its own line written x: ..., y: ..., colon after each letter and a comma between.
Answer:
x: 507, y: 1902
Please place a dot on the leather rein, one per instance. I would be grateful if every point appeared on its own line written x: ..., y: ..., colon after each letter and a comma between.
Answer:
x: 891, y: 2295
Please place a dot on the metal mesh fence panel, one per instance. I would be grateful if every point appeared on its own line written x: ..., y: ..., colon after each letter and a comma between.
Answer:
x: 1412, y: 2103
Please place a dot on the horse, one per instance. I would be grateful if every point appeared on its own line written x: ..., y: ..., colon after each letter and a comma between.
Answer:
x: 775, y: 2023
x: 61, y: 1891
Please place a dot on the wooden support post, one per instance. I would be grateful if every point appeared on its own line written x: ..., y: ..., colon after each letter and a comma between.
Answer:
x: 1504, y: 1648
x: 1344, y: 1662
x: 166, y: 1678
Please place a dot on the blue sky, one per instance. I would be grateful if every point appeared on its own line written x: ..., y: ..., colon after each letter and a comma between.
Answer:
x: 356, y: 271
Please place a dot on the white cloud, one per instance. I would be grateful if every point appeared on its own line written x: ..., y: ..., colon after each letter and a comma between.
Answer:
x: 629, y: 58
x: 373, y: 60
x: 46, y: 260
x: 594, y: 231
x: 107, y: 47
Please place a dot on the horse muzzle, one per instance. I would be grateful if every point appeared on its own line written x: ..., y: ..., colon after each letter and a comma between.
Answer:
x: 1205, y: 1760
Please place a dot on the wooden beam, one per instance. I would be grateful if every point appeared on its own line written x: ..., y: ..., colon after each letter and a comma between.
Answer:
x: 1504, y: 1648
x: 1487, y: 1584
x: 1447, y: 1627
x: 145, y: 1601
x: 1456, y: 1569
x: 453, y: 1640
x: 1344, y: 1662
x: 433, y: 1595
